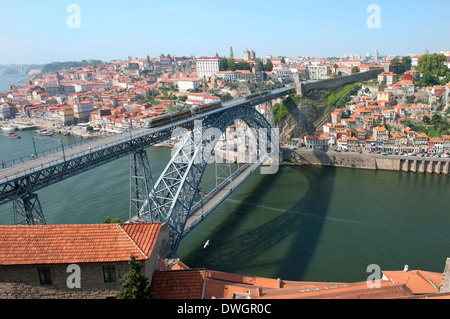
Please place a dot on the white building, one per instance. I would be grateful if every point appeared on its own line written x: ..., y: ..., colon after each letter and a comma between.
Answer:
x: 226, y: 75
x: 5, y: 111
x: 319, y: 72
x: 199, y: 99
x: 316, y: 142
x: 207, y: 67
x: 188, y: 84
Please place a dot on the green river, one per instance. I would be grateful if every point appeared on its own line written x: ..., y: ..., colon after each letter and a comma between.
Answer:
x: 303, y: 223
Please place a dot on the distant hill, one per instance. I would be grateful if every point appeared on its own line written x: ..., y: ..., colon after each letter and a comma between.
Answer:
x: 66, y: 66
x: 18, y: 69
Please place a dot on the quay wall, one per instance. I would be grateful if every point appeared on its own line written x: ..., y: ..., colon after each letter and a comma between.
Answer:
x: 414, y: 164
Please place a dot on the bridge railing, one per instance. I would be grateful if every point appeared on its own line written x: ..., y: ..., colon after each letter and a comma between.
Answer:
x: 63, y: 156
x: 115, y: 139
x: 49, y: 151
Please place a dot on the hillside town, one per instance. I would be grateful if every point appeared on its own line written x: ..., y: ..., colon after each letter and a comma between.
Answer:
x: 112, y: 97
x: 376, y: 120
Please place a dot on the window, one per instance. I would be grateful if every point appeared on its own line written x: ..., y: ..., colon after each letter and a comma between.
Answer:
x: 45, y: 276
x: 109, y: 273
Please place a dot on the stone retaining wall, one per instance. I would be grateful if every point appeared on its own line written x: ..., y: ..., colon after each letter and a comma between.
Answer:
x: 372, y: 162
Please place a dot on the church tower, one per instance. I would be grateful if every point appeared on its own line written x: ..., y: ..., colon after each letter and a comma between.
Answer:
x: 231, y: 52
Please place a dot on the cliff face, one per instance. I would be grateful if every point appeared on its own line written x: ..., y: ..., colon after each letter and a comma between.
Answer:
x: 302, y: 117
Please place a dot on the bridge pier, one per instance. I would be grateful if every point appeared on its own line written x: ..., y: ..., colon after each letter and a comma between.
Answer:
x: 140, y: 185
x: 28, y: 210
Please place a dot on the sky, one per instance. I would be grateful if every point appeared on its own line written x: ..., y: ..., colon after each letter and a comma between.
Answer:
x: 38, y: 32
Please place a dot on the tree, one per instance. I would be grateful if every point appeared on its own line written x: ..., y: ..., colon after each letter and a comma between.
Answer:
x: 426, y: 120
x: 231, y: 64
x: 259, y: 64
x: 400, y: 66
x: 355, y: 69
x: 223, y: 65
x: 242, y: 65
x: 407, y: 62
x: 436, y: 119
x: 134, y: 284
x: 269, y: 65
x: 433, y: 64
x: 108, y: 220
x: 429, y: 79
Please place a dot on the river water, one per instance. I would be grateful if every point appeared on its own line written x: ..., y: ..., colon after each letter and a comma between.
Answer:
x: 303, y: 223
x: 6, y: 80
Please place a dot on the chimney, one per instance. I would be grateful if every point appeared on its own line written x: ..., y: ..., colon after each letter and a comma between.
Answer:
x: 445, y: 286
x: 406, y: 268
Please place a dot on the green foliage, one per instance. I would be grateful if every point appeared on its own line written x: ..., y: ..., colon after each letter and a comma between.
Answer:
x: 108, y: 220
x: 134, y: 284
x: 438, y: 126
x: 281, y: 110
x: 432, y: 66
x: 400, y: 66
x: 429, y: 79
x: 231, y: 65
x: 60, y: 66
x: 223, y: 65
x: 333, y: 98
x: 268, y: 66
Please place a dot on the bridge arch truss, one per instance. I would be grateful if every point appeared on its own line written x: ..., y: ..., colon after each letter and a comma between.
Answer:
x: 171, y: 197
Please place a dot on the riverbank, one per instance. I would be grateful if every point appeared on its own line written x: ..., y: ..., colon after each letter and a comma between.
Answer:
x: 26, y: 124
x: 431, y: 165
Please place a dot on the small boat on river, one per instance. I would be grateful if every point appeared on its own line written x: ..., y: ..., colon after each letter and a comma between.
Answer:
x: 14, y: 135
x: 9, y: 128
x: 44, y: 132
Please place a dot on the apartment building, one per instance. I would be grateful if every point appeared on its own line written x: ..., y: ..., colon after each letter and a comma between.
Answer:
x: 319, y: 72
x: 207, y: 67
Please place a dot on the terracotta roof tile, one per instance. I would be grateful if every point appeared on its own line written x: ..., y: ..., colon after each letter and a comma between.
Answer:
x: 49, y: 244
x: 178, y: 284
x: 419, y: 282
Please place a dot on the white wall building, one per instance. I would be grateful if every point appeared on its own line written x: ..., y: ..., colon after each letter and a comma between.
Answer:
x: 226, y: 75
x: 5, y: 111
x: 207, y: 67
x: 319, y: 72
x: 188, y: 84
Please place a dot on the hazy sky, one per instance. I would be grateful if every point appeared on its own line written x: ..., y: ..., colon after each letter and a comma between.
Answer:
x: 37, y: 31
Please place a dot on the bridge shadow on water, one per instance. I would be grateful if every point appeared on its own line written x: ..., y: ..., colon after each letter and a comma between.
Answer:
x: 297, y: 230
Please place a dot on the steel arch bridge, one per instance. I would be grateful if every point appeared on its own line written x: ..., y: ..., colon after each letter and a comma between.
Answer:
x: 172, y: 196
x: 168, y: 200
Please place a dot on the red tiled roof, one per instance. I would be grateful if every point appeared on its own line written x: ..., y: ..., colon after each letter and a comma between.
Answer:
x: 419, y: 282
x: 178, y: 284
x: 51, y: 244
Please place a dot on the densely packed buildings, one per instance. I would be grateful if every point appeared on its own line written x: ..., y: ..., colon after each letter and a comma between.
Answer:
x: 373, y: 121
x: 120, y: 94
